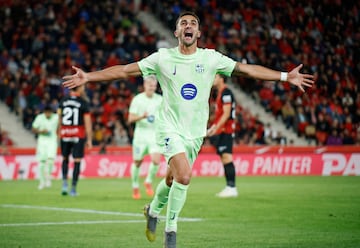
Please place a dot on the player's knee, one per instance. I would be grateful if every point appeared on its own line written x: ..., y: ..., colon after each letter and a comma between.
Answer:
x: 156, y: 162
x: 138, y: 163
x: 226, y: 158
x: 184, y: 179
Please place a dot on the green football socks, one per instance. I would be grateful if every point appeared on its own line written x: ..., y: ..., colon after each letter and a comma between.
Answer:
x: 153, y: 169
x: 160, y: 198
x: 50, y: 166
x: 177, y: 198
x: 135, y: 171
x: 42, y: 172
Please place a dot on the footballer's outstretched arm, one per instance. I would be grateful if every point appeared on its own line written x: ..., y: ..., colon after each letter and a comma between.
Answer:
x: 112, y: 73
x: 260, y: 72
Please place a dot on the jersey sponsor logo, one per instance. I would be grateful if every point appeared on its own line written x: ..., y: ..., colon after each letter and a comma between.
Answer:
x: 222, y: 148
x: 70, y: 139
x: 188, y: 91
x: 72, y: 131
x: 199, y: 68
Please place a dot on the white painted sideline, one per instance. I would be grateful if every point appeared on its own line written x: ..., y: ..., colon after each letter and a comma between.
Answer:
x: 71, y: 223
x: 79, y: 210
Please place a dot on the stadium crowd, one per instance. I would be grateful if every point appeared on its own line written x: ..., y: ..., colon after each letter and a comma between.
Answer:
x: 39, y: 41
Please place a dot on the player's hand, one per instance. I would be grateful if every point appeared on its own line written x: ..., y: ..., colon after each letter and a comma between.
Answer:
x: 300, y: 79
x: 211, y: 131
x: 76, y: 79
x: 45, y: 132
x: 89, y: 143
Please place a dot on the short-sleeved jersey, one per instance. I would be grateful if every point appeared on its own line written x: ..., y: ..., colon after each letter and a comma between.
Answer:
x: 186, y: 82
x: 224, y: 97
x: 73, y: 109
x: 141, y: 104
x: 49, y: 124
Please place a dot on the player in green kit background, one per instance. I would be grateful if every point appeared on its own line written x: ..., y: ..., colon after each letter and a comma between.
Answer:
x: 142, y: 112
x: 45, y: 126
x: 185, y: 74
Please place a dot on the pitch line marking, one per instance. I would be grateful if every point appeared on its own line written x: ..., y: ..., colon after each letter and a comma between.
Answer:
x: 71, y: 223
x: 90, y: 211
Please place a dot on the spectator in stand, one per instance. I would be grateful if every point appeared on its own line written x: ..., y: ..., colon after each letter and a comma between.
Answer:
x: 21, y: 103
x: 258, y: 139
x: 5, y: 142
x: 98, y: 133
x: 334, y: 138
x: 120, y: 135
x: 301, y: 121
x: 280, y: 139
x: 162, y: 43
x: 268, y: 133
x: 288, y: 114
x: 322, y: 129
x: 266, y: 95
x: 347, y: 138
x: 276, y: 106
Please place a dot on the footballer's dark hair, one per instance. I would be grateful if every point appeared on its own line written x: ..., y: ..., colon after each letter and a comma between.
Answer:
x: 48, y: 108
x: 184, y: 13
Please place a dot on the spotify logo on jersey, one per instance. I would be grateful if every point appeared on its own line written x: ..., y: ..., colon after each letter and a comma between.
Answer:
x: 188, y: 91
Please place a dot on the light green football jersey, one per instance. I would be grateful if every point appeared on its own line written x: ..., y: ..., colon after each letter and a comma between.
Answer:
x: 41, y: 123
x: 186, y: 82
x: 141, y: 104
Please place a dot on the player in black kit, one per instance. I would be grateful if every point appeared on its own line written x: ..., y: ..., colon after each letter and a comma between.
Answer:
x: 75, y: 130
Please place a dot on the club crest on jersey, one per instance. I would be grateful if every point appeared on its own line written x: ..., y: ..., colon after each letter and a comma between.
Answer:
x: 188, y: 91
x: 199, y: 68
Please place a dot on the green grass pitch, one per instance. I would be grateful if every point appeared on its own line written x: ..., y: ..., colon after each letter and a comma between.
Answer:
x: 270, y: 212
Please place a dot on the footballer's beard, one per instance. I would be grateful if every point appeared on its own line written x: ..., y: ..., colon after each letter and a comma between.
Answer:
x: 188, y: 42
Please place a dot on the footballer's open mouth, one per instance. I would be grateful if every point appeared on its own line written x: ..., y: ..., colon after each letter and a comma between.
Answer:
x: 188, y: 34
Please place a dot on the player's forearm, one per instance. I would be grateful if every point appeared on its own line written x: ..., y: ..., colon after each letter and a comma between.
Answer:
x: 108, y: 74
x: 89, y: 133
x: 35, y: 131
x: 114, y: 72
x: 88, y: 127
x: 224, y: 117
x: 258, y: 72
x: 134, y: 118
x: 38, y: 131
